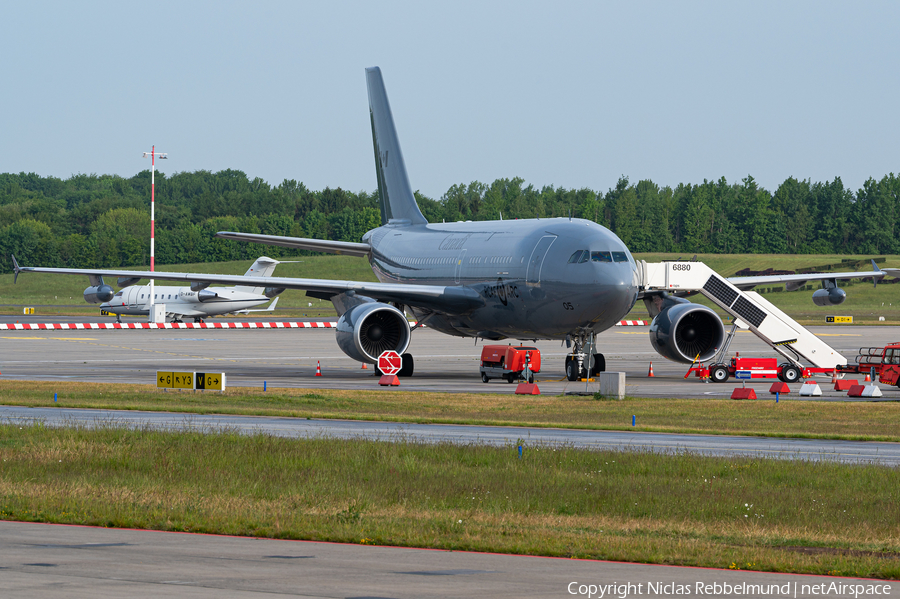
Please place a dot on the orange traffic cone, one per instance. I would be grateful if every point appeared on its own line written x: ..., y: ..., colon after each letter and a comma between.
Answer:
x: 834, y: 376
x: 318, y: 369
x: 364, y: 367
x: 650, y: 372
x: 868, y: 377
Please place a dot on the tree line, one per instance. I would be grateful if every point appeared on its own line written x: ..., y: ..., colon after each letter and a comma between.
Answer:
x: 102, y: 220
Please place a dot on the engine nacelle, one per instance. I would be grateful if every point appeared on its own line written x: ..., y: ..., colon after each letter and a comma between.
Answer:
x: 683, y: 330
x: 98, y: 294
x: 127, y: 281
x: 206, y: 295
x: 273, y: 291
x: 366, y: 331
x: 829, y: 297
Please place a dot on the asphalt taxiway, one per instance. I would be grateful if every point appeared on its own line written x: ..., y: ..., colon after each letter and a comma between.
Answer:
x: 48, y: 561
x: 289, y: 358
x: 887, y: 454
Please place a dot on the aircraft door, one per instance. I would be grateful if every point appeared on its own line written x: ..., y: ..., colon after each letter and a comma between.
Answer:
x: 130, y: 295
x: 459, y: 264
x: 536, y: 262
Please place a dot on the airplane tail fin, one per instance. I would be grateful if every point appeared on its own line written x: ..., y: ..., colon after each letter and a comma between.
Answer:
x: 263, y: 267
x: 398, y: 203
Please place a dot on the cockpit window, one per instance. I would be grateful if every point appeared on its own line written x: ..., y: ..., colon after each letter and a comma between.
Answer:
x: 119, y: 294
x: 574, y: 258
x: 601, y: 257
x: 620, y: 257
x: 585, y: 256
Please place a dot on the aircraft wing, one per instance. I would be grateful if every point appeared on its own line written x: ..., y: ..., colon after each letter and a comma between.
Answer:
x: 346, y: 248
x: 456, y: 299
x: 794, y: 282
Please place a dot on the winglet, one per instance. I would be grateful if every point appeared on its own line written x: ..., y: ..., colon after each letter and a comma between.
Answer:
x: 876, y: 269
x: 16, y: 268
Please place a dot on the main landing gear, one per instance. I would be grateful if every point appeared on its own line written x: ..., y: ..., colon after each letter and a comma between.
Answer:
x: 583, y: 363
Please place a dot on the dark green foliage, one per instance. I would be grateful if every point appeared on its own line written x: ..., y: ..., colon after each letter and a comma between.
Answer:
x: 102, y: 221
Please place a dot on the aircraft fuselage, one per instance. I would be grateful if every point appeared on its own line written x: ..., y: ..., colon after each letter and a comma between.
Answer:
x: 182, y: 301
x: 527, y: 271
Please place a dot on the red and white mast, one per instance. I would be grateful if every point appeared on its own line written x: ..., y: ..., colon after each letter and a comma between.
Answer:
x: 162, y: 156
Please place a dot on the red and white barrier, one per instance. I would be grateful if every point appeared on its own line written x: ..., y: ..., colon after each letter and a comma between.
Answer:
x: 93, y: 326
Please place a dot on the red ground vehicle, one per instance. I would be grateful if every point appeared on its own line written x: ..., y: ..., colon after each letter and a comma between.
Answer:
x: 883, y: 362
x: 754, y: 368
x: 508, y: 362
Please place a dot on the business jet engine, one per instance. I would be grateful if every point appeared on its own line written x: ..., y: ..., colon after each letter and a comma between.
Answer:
x: 683, y: 330
x: 829, y: 297
x: 365, y: 331
x: 97, y: 294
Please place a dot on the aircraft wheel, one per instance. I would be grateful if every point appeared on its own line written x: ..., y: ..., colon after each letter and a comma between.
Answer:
x: 599, y: 364
x: 510, y: 377
x: 484, y: 378
x: 718, y: 373
x: 791, y: 374
x: 571, y: 369
x: 406, y: 370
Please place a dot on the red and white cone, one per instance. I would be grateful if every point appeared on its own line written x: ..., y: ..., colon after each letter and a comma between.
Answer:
x: 364, y: 367
x: 650, y: 372
x: 834, y: 376
x: 868, y: 378
x: 318, y: 369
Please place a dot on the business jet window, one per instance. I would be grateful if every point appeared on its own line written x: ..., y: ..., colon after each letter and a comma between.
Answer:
x: 601, y: 257
x: 620, y: 257
x: 574, y: 258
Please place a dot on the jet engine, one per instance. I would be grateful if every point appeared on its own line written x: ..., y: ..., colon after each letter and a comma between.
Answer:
x: 367, y: 330
x: 97, y: 294
x: 829, y: 297
x: 273, y: 291
x: 205, y: 295
x: 683, y: 330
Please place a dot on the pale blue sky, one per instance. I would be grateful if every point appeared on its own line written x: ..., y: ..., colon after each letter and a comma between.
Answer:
x: 571, y: 94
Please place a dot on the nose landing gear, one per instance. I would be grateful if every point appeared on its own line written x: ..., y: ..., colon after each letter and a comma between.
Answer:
x: 584, y: 363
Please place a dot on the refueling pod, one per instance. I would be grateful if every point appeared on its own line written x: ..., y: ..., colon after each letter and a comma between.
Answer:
x: 365, y: 331
x: 829, y: 297
x: 682, y: 331
x: 97, y: 294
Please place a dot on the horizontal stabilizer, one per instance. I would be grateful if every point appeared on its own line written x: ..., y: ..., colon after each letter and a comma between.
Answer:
x: 345, y: 248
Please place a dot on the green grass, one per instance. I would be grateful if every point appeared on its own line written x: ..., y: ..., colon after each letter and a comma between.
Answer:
x: 689, y: 510
x: 863, y: 302
x: 832, y: 420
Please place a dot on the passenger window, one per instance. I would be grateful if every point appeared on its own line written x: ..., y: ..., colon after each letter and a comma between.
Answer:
x: 601, y: 257
x: 574, y: 258
x: 620, y: 257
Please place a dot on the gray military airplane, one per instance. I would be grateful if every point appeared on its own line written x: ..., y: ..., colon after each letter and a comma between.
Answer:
x: 556, y: 278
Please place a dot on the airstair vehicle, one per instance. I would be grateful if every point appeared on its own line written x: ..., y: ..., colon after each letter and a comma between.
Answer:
x: 749, y: 310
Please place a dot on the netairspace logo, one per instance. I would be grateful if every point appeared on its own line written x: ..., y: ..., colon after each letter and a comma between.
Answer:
x: 724, y: 589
